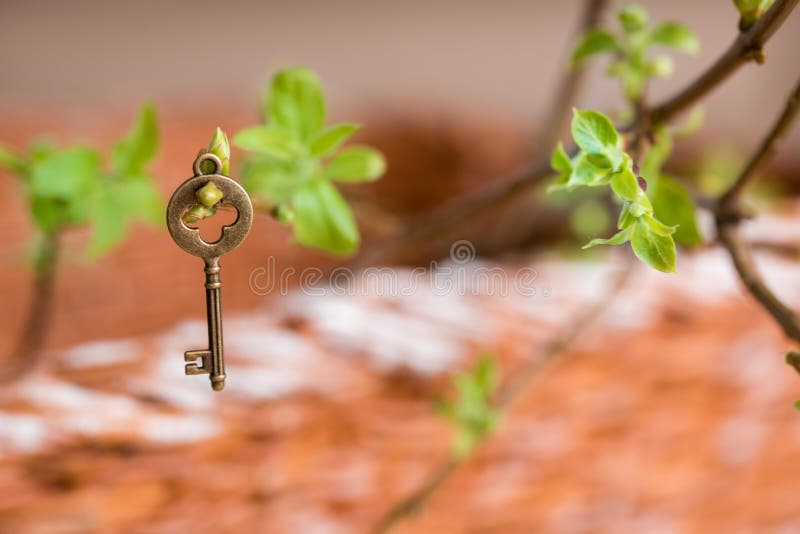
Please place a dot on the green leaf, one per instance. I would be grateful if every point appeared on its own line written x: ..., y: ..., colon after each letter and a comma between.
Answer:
x: 560, y: 161
x: 655, y: 250
x: 751, y: 11
x: 141, y: 200
x: 268, y: 180
x: 676, y: 35
x: 595, y: 41
x: 633, y: 18
x: 296, y: 104
x: 657, y: 227
x: 673, y: 205
x: 48, y: 213
x: 620, y: 238
x: 356, y: 164
x: 268, y: 141
x: 486, y: 375
x: 330, y: 139
x: 65, y: 174
x: 661, y: 67
x: 587, y: 173
x: 10, y: 161
x: 594, y: 133
x: 625, y: 185
x: 109, y: 221
x: 139, y: 145
x: 633, y: 77
x: 323, y: 219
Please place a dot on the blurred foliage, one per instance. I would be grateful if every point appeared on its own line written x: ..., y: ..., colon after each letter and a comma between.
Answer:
x: 296, y: 159
x: 630, y: 49
x: 70, y: 187
x: 471, y: 412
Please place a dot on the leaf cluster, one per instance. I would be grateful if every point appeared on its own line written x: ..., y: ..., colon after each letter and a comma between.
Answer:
x: 472, y: 412
x: 67, y: 187
x: 296, y: 160
x: 630, y: 49
x: 602, y: 162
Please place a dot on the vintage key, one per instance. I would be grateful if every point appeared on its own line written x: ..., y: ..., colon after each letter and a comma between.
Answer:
x: 211, y: 359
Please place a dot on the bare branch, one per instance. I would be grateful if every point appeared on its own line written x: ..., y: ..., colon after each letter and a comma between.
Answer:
x: 747, y: 46
x: 727, y: 215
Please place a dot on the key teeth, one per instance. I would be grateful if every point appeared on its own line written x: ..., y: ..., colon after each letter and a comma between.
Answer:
x: 192, y: 356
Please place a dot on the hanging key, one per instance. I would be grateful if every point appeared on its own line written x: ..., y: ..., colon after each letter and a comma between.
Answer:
x: 209, y: 361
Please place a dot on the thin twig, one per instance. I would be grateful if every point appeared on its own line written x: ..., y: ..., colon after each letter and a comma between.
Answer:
x: 747, y: 46
x: 520, y: 381
x: 500, y: 191
x: 28, y: 348
x: 727, y: 214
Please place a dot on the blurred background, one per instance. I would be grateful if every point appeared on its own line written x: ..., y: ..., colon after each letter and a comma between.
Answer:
x: 672, y: 412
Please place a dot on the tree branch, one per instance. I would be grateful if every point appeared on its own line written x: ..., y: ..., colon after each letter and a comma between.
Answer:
x: 727, y: 215
x: 520, y: 381
x: 747, y: 46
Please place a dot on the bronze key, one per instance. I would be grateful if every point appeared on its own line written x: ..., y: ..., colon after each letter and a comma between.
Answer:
x: 211, y: 359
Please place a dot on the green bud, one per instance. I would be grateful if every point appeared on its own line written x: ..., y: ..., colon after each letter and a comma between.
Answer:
x: 633, y: 18
x: 661, y: 67
x: 283, y: 214
x: 198, y: 212
x: 209, y: 195
x: 220, y: 147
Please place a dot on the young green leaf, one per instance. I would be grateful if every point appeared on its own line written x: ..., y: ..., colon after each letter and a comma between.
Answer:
x: 624, y: 184
x: 268, y: 141
x: 560, y: 161
x: 633, y: 18
x: 269, y: 180
x: 296, y: 104
x: 594, y: 133
x: 323, y: 219
x: 595, y: 41
x: 356, y: 164
x: 676, y: 35
x: 657, y: 251
x: 137, y: 148
x: 66, y: 174
x: 586, y: 173
x: 620, y: 238
x: 141, y: 200
x: 330, y: 139
x: 220, y: 147
x: 109, y: 220
x: 673, y: 205
x: 751, y: 11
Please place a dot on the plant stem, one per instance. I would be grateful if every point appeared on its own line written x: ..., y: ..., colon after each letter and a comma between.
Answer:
x: 747, y: 46
x: 521, y: 380
x: 727, y: 214
x: 28, y: 349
